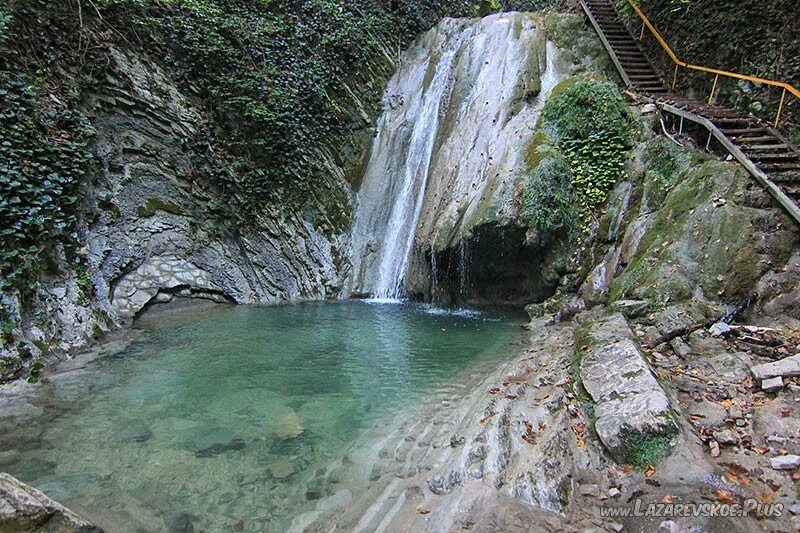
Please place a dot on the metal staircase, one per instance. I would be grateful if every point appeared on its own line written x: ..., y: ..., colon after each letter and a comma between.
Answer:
x: 769, y: 157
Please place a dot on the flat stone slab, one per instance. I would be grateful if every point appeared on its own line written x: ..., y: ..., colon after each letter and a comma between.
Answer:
x: 786, y: 367
x: 23, y: 508
x: 785, y: 462
x: 629, y: 400
x: 772, y: 384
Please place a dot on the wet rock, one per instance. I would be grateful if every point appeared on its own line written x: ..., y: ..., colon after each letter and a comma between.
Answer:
x: 215, y: 442
x: 787, y: 367
x: 629, y: 399
x: 281, y: 469
x: 135, y: 435
x: 288, y: 426
x: 181, y: 523
x: 785, y: 462
x: 23, y: 508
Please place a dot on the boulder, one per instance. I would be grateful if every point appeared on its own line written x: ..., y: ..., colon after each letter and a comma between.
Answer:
x: 23, y: 508
x: 787, y: 367
x: 772, y: 384
x: 631, y: 308
x: 631, y: 407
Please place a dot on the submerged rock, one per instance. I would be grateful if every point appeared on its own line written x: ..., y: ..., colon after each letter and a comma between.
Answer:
x: 288, y: 426
x: 23, y: 508
x: 216, y: 442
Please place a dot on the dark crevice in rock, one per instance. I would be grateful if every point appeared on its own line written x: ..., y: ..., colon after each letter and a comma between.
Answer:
x: 495, y: 265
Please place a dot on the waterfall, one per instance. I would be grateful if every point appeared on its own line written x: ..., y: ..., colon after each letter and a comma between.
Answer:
x: 551, y: 76
x: 449, y: 135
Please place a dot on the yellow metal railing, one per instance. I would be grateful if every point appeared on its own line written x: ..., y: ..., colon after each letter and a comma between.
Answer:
x: 787, y: 88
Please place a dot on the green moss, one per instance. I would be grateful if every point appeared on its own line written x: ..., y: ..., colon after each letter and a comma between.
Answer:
x: 538, y: 147
x: 655, y: 273
x: 642, y: 450
x: 579, y: 44
x: 587, y: 404
x: 155, y: 204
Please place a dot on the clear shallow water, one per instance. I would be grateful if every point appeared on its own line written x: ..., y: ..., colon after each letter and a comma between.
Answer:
x: 235, y: 418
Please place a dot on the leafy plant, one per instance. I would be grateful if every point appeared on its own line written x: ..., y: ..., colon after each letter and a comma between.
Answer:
x: 591, y: 124
x: 548, y: 199
x: 44, y: 156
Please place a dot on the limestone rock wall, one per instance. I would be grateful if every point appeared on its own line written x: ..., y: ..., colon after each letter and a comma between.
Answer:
x: 450, y: 149
x: 149, y: 231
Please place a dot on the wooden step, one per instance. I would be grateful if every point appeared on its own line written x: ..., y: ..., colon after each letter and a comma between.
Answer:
x: 785, y: 156
x: 763, y: 138
x: 741, y: 131
x: 778, y: 167
x: 764, y: 147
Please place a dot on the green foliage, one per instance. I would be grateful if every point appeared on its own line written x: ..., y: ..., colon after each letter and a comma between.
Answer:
x: 591, y: 123
x: 528, y: 5
x: 548, y: 199
x: 580, y: 392
x: 747, y: 36
x: 664, y: 161
x: 44, y: 156
x: 285, y: 81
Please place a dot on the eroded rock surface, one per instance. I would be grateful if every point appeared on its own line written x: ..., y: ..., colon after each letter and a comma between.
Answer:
x: 630, y: 405
x: 25, y: 509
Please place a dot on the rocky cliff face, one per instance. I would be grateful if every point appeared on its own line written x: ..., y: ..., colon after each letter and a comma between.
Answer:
x: 149, y: 233
x: 438, y: 197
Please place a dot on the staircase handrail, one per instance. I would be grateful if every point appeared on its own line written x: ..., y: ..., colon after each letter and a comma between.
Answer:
x: 787, y: 88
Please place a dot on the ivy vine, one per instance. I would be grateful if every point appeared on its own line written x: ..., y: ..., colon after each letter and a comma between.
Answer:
x: 591, y: 124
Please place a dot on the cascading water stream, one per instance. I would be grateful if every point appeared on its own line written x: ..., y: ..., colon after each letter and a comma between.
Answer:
x: 448, y: 137
x: 420, y: 122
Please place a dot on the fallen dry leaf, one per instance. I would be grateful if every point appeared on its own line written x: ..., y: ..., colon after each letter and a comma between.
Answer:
x: 650, y: 472
x: 422, y: 510
x: 581, y: 443
x: 761, y: 450
x: 625, y: 468
x: 723, y: 496
x: 667, y: 499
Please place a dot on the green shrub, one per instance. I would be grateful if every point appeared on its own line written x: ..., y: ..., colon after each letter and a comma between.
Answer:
x: 548, y: 199
x: 591, y: 123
